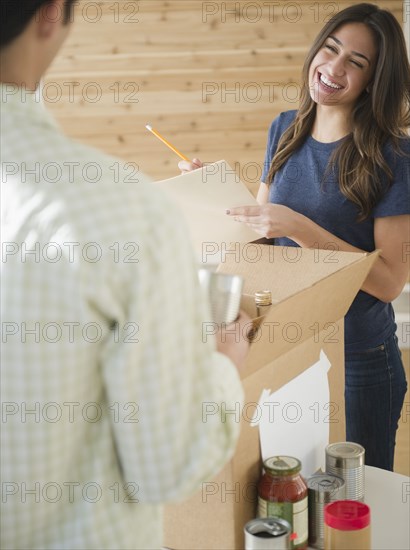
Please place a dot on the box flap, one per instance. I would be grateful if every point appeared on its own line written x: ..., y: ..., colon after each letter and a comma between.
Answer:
x: 314, y: 292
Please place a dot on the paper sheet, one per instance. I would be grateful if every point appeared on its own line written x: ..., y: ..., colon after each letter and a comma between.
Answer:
x: 204, y: 195
x: 294, y: 420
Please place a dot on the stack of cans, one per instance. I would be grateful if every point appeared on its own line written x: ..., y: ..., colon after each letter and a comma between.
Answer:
x: 346, y: 460
x: 322, y: 489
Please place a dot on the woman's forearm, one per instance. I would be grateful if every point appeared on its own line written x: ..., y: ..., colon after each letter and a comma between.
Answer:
x: 381, y: 281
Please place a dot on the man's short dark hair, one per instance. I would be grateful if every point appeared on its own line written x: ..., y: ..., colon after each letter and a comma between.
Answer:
x: 15, y: 15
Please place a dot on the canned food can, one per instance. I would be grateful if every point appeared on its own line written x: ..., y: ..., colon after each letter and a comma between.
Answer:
x: 322, y: 489
x: 267, y: 534
x: 346, y: 460
x: 224, y: 292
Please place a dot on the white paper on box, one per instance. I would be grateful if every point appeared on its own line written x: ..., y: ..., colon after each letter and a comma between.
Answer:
x: 294, y: 420
x: 204, y: 195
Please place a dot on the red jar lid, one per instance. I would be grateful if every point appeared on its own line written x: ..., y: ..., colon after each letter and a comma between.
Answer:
x: 347, y: 515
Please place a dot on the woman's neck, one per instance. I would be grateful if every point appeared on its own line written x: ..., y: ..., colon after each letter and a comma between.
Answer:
x: 331, y: 124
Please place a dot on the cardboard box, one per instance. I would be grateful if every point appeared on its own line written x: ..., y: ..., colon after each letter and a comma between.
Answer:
x: 313, y: 290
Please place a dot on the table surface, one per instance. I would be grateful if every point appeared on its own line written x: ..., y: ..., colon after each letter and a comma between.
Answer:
x: 388, y: 495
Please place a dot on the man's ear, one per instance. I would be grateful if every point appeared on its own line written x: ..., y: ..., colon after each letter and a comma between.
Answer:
x: 50, y: 17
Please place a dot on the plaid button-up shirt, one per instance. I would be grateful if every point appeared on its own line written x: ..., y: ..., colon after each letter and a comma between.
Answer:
x: 107, y: 375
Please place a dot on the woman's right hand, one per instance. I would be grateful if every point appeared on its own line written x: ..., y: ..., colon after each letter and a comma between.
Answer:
x: 185, y: 166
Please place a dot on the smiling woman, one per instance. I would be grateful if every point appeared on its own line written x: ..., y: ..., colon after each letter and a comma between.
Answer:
x: 348, y: 145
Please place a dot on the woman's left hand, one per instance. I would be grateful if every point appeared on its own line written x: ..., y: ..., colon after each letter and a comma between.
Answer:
x: 269, y: 220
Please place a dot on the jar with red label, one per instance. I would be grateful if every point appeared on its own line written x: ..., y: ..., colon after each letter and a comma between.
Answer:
x: 283, y: 493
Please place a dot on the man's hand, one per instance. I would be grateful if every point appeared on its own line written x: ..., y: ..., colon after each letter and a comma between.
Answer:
x: 232, y: 340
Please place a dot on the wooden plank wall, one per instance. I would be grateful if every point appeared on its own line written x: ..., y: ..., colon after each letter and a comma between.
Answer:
x: 208, y: 75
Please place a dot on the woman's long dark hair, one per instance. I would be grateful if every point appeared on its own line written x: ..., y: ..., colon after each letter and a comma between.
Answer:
x: 381, y: 114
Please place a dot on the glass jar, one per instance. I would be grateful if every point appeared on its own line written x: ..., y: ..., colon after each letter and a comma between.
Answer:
x: 263, y: 302
x: 282, y: 492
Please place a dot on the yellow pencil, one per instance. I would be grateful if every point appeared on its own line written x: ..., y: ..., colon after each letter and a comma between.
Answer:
x: 156, y: 134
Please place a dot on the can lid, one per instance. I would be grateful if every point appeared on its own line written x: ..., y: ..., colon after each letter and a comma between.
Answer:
x: 326, y: 483
x: 282, y: 465
x: 273, y: 526
x: 346, y: 449
x: 347, y: 515
x: 263, y: 298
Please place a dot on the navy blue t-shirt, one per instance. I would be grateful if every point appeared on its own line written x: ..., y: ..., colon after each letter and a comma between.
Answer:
x: 299, y: 184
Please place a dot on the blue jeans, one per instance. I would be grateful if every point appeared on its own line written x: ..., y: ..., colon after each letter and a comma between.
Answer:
x: 374, y: 392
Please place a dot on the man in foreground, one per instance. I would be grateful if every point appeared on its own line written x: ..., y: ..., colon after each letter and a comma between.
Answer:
x: 105, y: 372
